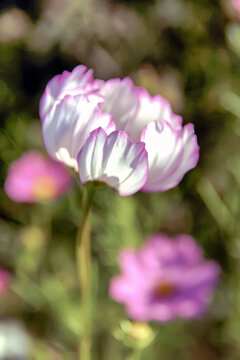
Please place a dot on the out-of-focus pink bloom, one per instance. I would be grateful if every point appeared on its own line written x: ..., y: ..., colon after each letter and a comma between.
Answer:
x: 236, y: 5
x: 165, y: 279
x: 33, y: 178
x: 4, y: 280
x: 74, y: 104
x: 79, y: 81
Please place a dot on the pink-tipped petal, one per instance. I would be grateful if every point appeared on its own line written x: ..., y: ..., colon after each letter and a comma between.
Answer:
x: 121, y: 101
x: 152, y: 108
x: 114, y: 160
x: 68, y: 124
x: 70, y: 83
x: 171, y: 154
x: 91, y: 156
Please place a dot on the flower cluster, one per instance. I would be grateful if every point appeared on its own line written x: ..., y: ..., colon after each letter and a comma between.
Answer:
x: 166, y: 278
x: 33, y: 178
x: 116, y: 133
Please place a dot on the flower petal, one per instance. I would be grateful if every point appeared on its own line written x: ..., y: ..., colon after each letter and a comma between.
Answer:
x: 171, y: 154
x: 152, y: 108
x: 121, y: 101
x: 71, y: 83
x: 68, y: 124
x: 114, y: 160
x: 133, y: 108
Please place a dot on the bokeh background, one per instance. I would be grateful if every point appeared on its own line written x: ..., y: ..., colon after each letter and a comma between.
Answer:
x: 186, y: 50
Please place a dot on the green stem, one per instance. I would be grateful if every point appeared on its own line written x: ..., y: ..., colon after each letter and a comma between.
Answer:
x: 136, y: 354
x: 83, y: 254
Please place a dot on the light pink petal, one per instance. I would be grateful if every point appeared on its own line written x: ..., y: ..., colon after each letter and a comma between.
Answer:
x: 188, y: 250
x: 190, y: 153
x: 190, y: 308
x: 165, y: 151
x: 183, y: 250
x: 130, y: 263
x: 121, y: 289
x: 161, y: 312
x: 68, y: 124
x: 171, y: 154
x: 152, y: 108
x: 199, y: 276
x: 158, y: 250
x: 188, y: 161
x: 114, y: 160
x: 121, y: 101
x: 66, y: 83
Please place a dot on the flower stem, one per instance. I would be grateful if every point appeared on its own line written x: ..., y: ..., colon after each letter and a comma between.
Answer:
x: 136, y: 354
x: 83, y: 254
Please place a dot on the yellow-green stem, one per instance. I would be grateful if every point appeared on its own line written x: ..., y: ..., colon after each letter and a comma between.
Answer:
x: 136, y: 354
x: 83, y: 254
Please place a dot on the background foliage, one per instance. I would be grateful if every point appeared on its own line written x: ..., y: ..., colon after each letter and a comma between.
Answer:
x: 186, y: 50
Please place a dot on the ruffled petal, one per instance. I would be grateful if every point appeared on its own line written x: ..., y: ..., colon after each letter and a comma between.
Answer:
x: 152, y: 108
x: 78, y: 81
x: 67, y: 126
x: 121, y: 101
x: 133, y: 108
x: 114, y: 160
x: 171, y: 154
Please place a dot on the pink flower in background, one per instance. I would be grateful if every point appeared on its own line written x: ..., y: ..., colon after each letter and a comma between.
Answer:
x: 4, y: 280
x: 33, y: 178
x: 236, y: 5
x: 74, y: 104
x: 165, y: 279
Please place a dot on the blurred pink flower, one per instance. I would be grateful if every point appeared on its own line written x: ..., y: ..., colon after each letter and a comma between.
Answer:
x: 4, y: 280
x: 33, y: 178
x: 236, y: 5
x: 74, y: 104
x: 165, y: 279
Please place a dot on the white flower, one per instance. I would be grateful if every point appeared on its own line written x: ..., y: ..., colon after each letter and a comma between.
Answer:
x: 74, y: 105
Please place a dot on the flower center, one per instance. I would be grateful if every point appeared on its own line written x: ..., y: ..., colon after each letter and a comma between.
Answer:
x: 44, y: 189
x: 164, y: 288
